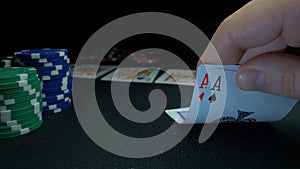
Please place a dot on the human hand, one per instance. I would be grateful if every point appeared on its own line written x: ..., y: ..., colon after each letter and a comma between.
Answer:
x: 255, y: 36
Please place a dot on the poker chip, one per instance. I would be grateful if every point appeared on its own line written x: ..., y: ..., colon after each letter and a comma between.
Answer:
x: 47, y: 77
x: 23, y: 89
x: 43, y: 60
x: 45, y: 65
x: 57, y: 108
x: 57, y: 96
x: 7, y: 61
x: 17, y: 84
x: 53, y: 69
x: 13, y: 76
x: 53, y: 73
x: 19, y: 95
x: 54, y: 83
x: 46, y: 95
x: 56, y: 105
x: 55, y: 89
x: 55, y: 102
x: 20, y: 101
x: 26, y: 123
x: 42, y: 53
x: 24, y: 119
x: 18, y: 130
x: 42, y: 64
x: 23, y: 112
x: 21, y: 104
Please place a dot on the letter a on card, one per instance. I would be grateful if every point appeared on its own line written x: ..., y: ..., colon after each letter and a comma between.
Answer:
x: 204, y: 81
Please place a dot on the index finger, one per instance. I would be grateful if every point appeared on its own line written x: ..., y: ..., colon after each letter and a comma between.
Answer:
x: 256, y: 24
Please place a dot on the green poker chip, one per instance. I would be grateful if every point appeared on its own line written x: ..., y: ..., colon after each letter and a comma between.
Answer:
x: 21, y: 77
x: 18, y: 90
x: 17, y: 122
x: 25, y: 124
x: 26, y: 115
x: 22, y: 104
x: 21, y: 131
x: 17, y: 84
x: 36, y: 107
x: 21, y: 94
x: 19, y: 99
x: 11, y: 74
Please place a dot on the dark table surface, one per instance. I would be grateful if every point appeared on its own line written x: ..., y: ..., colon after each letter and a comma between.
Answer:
x: 61, y: 142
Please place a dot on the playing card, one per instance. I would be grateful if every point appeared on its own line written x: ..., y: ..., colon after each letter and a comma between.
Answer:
x: 178, y: 77
x: 91, y: 71
x: 133, y: 74
x: 179, y: 115
x: 216, y: 97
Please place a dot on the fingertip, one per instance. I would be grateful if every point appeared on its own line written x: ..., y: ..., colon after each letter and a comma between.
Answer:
x: 273, y: 73
x: 250, y: 79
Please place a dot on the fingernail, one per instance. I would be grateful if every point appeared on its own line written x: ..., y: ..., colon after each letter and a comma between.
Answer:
x: 251, y: 80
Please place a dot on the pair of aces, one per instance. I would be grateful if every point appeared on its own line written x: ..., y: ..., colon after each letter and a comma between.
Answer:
x: 217, y: 98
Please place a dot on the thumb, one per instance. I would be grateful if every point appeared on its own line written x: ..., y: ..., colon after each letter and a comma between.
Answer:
x: 275, y: 73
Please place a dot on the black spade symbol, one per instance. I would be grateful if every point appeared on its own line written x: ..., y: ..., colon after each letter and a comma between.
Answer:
x: 212, y: 98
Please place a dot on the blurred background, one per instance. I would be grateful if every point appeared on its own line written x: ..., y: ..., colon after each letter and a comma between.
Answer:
x: 51, y: 24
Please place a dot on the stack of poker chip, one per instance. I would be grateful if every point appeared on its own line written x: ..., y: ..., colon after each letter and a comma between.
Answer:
x: 20, y: 101
x: 53, y: 68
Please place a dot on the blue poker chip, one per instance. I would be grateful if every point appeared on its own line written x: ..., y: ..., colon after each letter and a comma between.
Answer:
x: 48, y: 64
x: 51, y: 87
x: 52, y: 102
x: 42, y: 53
x: 55, y: 84
x: 66, y: 79
x: 43, y: 60
x: 56, y: 106
x: 55, y: 73
x: 56, y: 67
x: 49, y: 77
x: 56, y: 89
x: 52, y: 73
x: 56, y: 97
x: 61, y: 108
x: 44, y: 95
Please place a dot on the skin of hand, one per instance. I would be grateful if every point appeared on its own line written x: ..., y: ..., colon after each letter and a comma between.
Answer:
x: 254, y: 37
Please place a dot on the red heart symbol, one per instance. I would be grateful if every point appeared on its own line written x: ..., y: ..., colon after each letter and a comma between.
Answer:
x: 201, y: 96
